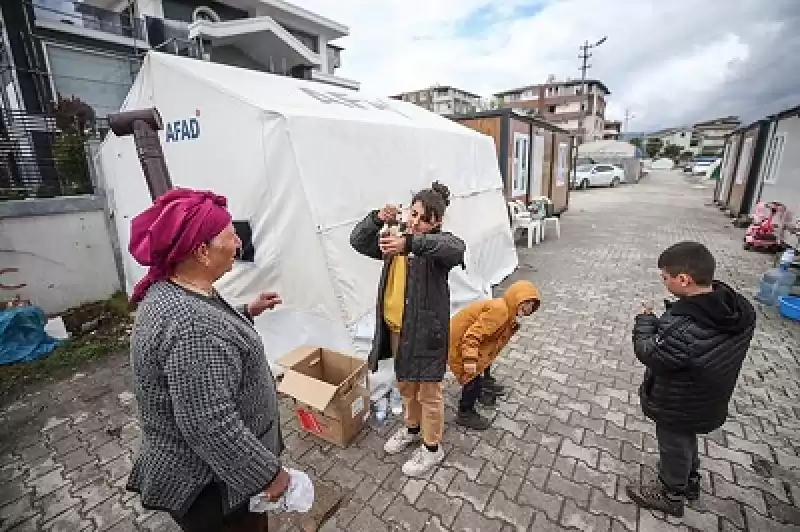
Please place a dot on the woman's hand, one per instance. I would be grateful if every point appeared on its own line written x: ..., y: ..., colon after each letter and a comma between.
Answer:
x: 264, y: 301
x: 278, y: 486
x: 392, y: 245
x: 388, y: 213
x: 470, y: 368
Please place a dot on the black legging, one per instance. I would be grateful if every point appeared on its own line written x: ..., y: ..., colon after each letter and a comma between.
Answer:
x: 205, y: 515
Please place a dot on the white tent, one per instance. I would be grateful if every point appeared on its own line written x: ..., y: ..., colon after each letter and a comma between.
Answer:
x: 663, y: 164
x: 302, y: 162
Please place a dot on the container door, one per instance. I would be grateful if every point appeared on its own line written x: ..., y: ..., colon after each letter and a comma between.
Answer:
x: 521, y: 170
x: 538, y: 164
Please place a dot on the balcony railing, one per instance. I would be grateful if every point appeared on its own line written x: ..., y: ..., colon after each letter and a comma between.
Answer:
x: 37, y: 160
x: 90, y: 17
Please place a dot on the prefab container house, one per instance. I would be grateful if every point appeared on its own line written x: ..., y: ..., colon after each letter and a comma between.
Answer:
x: 535, y: 157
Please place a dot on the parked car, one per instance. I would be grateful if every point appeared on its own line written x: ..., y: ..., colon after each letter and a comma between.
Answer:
x: 597, y: 175
x: 704, y: 166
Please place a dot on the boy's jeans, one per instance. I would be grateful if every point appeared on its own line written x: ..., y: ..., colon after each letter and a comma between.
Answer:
x: 678, y: 458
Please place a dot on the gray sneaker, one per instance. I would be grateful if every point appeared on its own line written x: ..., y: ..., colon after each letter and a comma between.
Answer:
x: 400, y: 441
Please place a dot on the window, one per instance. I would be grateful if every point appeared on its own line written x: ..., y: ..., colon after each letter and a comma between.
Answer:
x: 551, y: 109
x: 247, y: 253
x: 520, y: 169
x: 745, y: 159
x: 563, y: 163
x: 773, y: 164
x: 99, y: 79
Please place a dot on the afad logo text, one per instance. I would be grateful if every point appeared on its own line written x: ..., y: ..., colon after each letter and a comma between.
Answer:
x: 186, y: 129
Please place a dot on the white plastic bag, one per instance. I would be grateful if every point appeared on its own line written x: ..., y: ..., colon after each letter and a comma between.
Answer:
x: 298, y: 497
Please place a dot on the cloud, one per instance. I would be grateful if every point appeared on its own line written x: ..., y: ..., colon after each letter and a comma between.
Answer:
x: 668, y: 62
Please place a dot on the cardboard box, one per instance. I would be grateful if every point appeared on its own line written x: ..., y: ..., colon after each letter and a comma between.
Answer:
x: 331, y: 392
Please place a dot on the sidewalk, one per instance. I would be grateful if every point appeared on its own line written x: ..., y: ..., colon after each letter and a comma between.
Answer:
x: 563, y: 446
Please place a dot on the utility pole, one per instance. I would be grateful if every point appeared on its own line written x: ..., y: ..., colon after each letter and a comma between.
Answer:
x: 628, y: 117
x: 584, y: 100
x: 584, y: 57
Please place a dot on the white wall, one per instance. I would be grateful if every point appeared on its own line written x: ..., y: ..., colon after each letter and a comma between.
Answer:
x: 64, y: 255
x: 786, y: 185
x: 571, y: 107
x: 152, y: 8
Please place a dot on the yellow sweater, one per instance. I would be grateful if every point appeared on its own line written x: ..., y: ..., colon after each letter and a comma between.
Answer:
x: 394, y: 299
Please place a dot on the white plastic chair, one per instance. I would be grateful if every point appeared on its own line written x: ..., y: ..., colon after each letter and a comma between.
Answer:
x: 552, y: 220
x: 521, y: 219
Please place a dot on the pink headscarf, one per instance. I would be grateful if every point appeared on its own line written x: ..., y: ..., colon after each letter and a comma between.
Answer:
x: 176, y: 224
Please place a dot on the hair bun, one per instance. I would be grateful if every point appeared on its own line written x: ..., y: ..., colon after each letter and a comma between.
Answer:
x: 443, y: 191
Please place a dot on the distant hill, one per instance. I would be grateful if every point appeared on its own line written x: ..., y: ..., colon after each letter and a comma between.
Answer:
x: 631, y: 135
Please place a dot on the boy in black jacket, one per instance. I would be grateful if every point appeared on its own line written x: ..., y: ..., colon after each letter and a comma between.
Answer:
x: 693, y: 354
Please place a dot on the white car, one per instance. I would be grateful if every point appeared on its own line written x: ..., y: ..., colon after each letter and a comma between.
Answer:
x: 597, y: 175
x: 705, y: 168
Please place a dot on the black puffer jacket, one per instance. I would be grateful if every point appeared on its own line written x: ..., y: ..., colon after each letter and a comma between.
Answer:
x: 422, y: 353
x: 693, y: 354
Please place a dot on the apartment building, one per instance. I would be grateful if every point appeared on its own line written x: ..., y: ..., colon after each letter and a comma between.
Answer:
x: 702, y: 138
x: 683, y: 137
x: 712, y: 133
x: 612, y: 130
x: 92, y: 49
x: 562, y: 102
x: 443, y: 99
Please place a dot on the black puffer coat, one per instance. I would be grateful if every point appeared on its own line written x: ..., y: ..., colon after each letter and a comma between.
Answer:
x: 693, y: 354
x: 422, y: 353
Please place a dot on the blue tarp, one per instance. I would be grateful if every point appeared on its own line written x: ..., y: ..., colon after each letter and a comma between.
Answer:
x: 22, y: 336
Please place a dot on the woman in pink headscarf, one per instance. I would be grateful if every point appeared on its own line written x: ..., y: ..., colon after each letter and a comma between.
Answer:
x: 211, y: 434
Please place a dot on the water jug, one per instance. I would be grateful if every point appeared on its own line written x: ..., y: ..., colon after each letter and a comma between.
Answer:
x: 777, y: 282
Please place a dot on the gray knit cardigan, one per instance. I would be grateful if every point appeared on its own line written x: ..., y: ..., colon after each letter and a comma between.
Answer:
x: 207, y: 402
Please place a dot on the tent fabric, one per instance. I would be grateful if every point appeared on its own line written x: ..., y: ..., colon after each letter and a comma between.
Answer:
x: 609, y: 147
x: 302, y: 162
x: 663, y: 164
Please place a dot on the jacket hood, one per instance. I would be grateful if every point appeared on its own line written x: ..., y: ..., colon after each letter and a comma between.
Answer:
x: 518, y: 293
x: 722, y: 309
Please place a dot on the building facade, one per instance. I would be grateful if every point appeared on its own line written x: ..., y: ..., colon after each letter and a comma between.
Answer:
x: 612, y: 130
x: 562, y: 103
x: 712, y: 133
x: 683, y: 137
x: 52, y: 51
x: 703, y: 138
x: 443, y: 99
x: 92, y: 49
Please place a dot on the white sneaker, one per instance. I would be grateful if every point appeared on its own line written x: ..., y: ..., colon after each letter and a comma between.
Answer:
x: 423, y: 461
x: 400, y: 441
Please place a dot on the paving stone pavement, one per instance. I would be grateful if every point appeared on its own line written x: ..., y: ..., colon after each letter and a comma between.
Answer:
x: 562, y: 447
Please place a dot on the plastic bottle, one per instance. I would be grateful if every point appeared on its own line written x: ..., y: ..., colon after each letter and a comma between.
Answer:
x: 777, y: 282
x: 381, y: 408
x: 395, y: 402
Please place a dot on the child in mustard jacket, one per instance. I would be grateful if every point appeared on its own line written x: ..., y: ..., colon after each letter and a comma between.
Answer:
x: 477, y: 335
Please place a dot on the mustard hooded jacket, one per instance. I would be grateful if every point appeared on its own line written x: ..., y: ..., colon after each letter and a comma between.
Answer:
x: 481, y: 330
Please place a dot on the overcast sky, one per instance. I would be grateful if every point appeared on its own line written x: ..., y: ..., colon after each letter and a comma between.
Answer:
x: 669, y: 62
